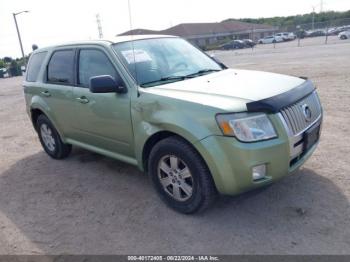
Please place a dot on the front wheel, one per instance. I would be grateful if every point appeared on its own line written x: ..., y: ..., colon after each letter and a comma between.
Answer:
x: 50, y: 139
x: 180, y: 176
x: 343, y: 37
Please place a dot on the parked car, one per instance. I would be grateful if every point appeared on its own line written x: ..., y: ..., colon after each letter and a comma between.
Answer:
x: 248, y: 43
x: 234, y: 44
x: 157, y: 102
x: 4, y: 73
x: 344, y: 35
x: 270, y: 39
x: 315, y: 33
x: 286, y: 36
x: 337, y: 30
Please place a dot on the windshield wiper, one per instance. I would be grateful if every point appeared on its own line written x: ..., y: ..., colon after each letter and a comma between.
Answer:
x: 165, y: 79
x: 179, y: 78
x: 203, y: 71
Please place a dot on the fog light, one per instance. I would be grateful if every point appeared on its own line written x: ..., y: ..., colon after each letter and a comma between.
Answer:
x: 258, y: 172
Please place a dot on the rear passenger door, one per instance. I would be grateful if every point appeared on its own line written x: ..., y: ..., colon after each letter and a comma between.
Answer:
x: 103, y: 119
x: 57, y: 89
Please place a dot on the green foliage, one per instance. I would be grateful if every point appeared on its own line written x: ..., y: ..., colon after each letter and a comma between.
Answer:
x: 15, y: 68
x: 7, y: 59
x: 13, y: 63
x: 2, y: 63
x: 292, y: 21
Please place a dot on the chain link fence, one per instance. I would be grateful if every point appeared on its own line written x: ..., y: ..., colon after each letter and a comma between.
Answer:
x: 315, y: 33
x: 319, y: 33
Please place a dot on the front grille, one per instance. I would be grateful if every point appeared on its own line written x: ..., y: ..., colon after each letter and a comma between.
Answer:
x: 295, y: 117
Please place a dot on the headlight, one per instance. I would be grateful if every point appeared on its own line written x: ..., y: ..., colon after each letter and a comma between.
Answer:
x: 246, y: 127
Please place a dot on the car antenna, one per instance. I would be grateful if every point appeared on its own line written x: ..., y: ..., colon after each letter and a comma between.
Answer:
x: 133, y: 48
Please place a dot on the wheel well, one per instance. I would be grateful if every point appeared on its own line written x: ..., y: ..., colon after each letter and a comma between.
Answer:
x: 154, y: 139
x: 151, y: 142
x: 35, y: 113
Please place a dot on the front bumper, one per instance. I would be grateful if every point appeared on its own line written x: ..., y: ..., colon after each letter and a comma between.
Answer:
x: 231, y: 161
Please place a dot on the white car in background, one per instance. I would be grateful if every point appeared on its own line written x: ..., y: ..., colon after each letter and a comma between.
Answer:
x: 270, y: 39
x: 286, y: 36
x: 344, y: 35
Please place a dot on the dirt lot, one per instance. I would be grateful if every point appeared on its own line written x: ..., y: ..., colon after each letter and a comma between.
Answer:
x: 95, y: 205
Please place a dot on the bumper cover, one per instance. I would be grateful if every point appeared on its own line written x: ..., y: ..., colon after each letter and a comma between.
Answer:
x: 231, y: 161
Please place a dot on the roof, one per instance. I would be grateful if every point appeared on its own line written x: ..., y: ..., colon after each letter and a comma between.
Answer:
x: 107, y: 42
x: 193, y: 29
x: 126, y: 38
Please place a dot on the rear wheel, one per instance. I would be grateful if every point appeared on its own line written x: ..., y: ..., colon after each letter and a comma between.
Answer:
x: 180, y: 176
x: 50, y: 139
x: 343, y: 37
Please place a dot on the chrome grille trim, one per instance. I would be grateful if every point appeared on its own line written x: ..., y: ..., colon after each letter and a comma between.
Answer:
x: 294, y: 139
x: 295, y: 124
x: 294, y: 117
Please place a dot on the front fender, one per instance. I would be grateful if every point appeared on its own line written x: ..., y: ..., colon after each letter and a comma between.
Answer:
x: 153, y: 119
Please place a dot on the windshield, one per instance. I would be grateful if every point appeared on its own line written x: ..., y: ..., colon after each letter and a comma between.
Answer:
x: 159, y: 61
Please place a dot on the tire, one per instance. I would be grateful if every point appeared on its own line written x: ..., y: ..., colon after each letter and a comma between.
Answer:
x: 50, y: 139
x: 191, y: 173
x: 343, y: 37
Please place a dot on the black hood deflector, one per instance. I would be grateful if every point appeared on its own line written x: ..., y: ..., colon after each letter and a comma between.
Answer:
x: 276, y: 103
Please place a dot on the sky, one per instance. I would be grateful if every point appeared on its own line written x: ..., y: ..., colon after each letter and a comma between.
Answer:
x: 49, y: 22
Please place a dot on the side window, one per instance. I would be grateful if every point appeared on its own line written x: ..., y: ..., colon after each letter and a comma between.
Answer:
x: 61, y: 67
x: 34, y: 66
x: 93, y: 63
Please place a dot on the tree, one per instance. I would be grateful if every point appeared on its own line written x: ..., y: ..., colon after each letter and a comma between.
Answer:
x: 7, y: 59
x: 15, y: 69
x: 292, y: 21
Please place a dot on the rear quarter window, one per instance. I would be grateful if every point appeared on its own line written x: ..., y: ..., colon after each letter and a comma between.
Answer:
x: 61, y: 67
x: 35, y: 63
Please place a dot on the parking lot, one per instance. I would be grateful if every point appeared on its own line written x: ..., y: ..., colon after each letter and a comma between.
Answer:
x: 90, y: 204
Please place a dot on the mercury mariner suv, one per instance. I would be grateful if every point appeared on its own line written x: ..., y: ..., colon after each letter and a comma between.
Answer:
x: 157, y: 102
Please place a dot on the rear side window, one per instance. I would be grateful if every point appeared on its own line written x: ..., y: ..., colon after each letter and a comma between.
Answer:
x: 61, y: 67
x: 34, y: 66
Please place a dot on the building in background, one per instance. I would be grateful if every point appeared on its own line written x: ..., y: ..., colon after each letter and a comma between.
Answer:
x: 206, y: 34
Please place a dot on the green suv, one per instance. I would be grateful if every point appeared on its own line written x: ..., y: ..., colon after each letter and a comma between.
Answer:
x: 196, y: 127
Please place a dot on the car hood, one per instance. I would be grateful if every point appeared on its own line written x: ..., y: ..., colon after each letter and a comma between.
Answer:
x: 229, y: 89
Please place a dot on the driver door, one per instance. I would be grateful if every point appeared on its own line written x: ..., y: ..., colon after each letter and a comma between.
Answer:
x: 103, y: 119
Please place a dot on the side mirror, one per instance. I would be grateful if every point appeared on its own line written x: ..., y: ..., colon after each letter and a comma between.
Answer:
x: 106, y: 84
x: 223, y: 66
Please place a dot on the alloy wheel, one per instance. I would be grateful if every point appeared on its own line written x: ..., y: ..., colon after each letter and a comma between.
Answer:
x: 47, y: 137
x: 175, y: 177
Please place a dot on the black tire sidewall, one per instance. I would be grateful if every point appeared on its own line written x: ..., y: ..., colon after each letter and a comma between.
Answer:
x: 193, y: 162
x: 42, y: 119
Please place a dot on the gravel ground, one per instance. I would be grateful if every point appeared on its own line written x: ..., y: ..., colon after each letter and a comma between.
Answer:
x: 90, y: 204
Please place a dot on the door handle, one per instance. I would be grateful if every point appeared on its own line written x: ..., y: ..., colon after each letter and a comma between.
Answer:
x: 46, y: 93
x: 82, y: 100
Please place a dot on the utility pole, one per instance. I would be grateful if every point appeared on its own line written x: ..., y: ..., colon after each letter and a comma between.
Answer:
x: 313, y: 18
x: 19, y: 35
x: 99, y: 26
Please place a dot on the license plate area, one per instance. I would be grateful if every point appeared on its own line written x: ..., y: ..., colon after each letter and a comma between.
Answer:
x: 311, y: 136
